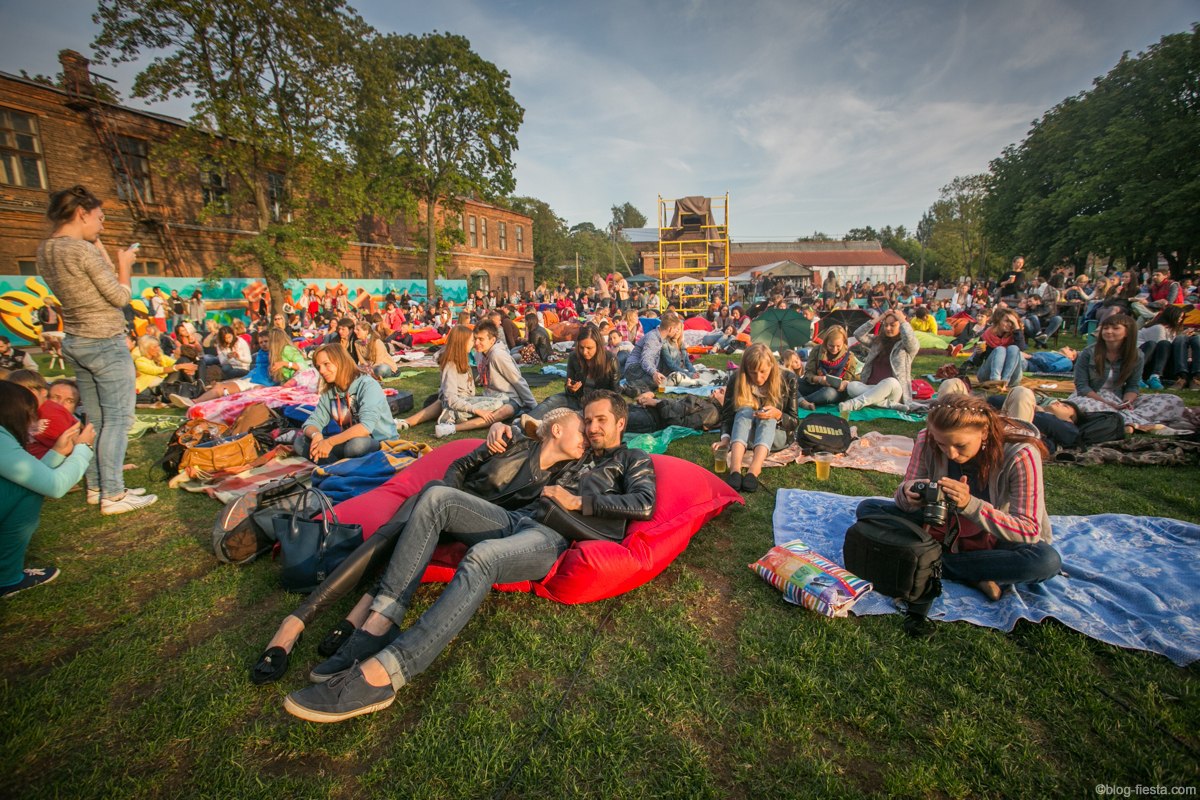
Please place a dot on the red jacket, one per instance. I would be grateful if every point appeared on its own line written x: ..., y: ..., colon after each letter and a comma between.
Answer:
x: 59, y: 419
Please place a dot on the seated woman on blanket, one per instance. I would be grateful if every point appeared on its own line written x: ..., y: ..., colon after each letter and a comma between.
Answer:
x: 233, y: 353
x: 831, y: 367
x: 275, y: 362
x: 1107, y: 376
x: 512, y: 479
x: 886, y: 378
x: 352, y: 400
x: 1156, y: 340
x: 589, y: 367
x: 371, y: 352
x: 1002, y: 344
x: 456, y: 401
x: 153, y: 368
x: 991, y: 474
x: 759, y: 413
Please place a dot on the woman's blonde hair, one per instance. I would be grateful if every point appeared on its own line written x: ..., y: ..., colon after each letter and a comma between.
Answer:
x: 277, y: 340
x: 457, y: 351
x: 347, y: 370
x: 752, y: 360
x: 147, y: 339
x: 552, y: 416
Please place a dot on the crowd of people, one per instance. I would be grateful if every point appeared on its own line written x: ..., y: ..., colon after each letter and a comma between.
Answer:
x: 557, y: 470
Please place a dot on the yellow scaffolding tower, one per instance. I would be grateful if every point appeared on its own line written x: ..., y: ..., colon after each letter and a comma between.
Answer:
x: 693, y: 249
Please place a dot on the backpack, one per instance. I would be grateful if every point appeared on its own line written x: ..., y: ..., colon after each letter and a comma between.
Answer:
x: 824, y: 433
x: 921, y: 389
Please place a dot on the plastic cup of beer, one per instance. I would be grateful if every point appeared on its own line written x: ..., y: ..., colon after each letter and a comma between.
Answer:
x: 844, y: 414
x: 721, y: 458
x: 823, y: 461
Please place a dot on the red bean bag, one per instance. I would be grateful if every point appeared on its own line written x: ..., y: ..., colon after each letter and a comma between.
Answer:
x: 697, y: 324
x: 687, y: 497
x: 424, y: 335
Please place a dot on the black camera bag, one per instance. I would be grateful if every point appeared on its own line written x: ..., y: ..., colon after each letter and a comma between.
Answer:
x: 898, y: 557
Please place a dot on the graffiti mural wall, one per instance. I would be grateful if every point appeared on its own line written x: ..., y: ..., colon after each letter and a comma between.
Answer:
x: 22, y: 295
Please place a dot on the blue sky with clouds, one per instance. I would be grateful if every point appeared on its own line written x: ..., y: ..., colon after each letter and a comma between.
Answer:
x: 813, y: 115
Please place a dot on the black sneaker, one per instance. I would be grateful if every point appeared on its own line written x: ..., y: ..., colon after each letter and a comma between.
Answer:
x: 734, y: 479
x: 359, y: 647
x: 750, y: 483
x: 334, y: 640
x: 34, y: 576
x: 345, y: 696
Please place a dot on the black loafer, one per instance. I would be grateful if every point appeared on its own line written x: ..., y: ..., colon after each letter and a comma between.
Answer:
x: 270, y: 667
x: 750, y: 483
x: 734, y: 479
x: 334, y: 640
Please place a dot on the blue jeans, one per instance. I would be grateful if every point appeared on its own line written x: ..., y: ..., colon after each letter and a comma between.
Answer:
x: 751, y: 431
x: 106, y: 377
x: 1182, y: 348
x: 383, y: 371
x: 1002, y: 363
x: 674, y: 359
x: 717, y: 339
x: 504, y: 548
x: 817, y: 394
x: 352, y: 448
x: 1006, y: 563
x: 1155, y: 357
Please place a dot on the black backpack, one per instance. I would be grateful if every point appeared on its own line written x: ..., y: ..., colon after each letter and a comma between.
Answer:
x: 689, y: 411
x: 823, y: 433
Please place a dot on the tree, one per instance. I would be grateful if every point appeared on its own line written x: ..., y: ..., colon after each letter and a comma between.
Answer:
x: 1111, y: 171
x: 957, y: 239
x: 626, y: 216
x: 266, y: 82
x: 865, y: 234
x: 444, y: 118
x: 550, y: 236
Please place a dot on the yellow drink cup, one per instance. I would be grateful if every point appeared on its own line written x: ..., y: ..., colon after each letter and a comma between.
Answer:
x: 823, y: 461
x: 721, y: 459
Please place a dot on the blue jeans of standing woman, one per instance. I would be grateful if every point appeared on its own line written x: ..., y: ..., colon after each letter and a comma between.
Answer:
x: 106, y: 378
x: 752, y: 431
x: 1003, y: 363
x: 505, y: 547
x: 1006, y: 563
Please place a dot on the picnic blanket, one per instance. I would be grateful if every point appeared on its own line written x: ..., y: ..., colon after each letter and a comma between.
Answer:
x: 416, y: 358
x: 233, y: 486
x: 1130, y: 581
x: 875, y: 451
x: 864, y: 414
x: 657, y: 442
x: 226, y: 409
x: 554, y: 369
x: 351, y: 477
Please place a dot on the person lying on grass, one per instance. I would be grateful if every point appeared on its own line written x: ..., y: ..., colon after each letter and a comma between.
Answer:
x: 610, y: 485
x: 511, y: 479
x: 991, y: 474
x: 26, y: 480
x: 352, y: 400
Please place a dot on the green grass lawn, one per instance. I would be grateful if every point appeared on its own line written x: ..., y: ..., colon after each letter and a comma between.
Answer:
x: 128, y: 676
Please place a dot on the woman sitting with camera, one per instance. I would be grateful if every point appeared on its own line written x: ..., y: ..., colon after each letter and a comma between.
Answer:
x: 988, y: 474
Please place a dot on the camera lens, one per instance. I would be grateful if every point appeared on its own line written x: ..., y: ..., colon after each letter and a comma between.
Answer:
x: 936, y: 514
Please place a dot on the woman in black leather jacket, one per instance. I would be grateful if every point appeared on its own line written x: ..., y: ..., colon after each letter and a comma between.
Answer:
x: 590, y: 367
x: 512, y: 479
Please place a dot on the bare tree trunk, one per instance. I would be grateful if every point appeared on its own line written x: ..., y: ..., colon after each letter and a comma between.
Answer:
x: 272, y: 279
x: 431, y: 250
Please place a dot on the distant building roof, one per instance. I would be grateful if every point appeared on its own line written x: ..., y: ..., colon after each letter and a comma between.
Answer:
x: 816, y: 259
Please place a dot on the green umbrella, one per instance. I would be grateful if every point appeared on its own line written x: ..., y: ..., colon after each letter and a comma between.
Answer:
x: 780, y: 328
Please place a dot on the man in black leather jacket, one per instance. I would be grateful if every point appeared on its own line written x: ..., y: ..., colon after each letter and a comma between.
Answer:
x: 612, y: 485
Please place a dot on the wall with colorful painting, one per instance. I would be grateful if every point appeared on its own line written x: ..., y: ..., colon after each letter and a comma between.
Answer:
x: 22, y: 295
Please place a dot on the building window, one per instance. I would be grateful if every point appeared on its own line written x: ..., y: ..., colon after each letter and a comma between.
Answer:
x: 483, y: 232
x: 502, y: 234
x: 147, y: 268
x: 21, y: 162
x: 504, y: 285
x: 27, y: 267
x: 276, y: 193
x: 131, y: 163
x: 214, y: 185
x: 521, y: 284
x: 472, y: 236
x: 520, y: 239
x: 385, y: 275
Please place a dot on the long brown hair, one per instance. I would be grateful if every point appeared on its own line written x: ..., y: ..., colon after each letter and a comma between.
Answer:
x: 64, y: 204
x: 968, y: 411
x: 18, y: 410
x: 1129, y: 348
x: 277, y: 340
x: 754, y: 357
x: 457, y: 351
x: 347, y: 370
x: 597, y: 367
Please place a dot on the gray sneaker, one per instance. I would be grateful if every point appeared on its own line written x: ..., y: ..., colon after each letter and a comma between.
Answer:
x: 127, y: 502
x: 359, y: 647
x: 345, y: 696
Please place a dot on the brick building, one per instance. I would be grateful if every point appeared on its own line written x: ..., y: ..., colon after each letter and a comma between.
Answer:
x: 53, y: 138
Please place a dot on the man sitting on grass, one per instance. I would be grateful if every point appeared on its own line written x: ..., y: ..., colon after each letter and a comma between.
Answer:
x: 611, y: 485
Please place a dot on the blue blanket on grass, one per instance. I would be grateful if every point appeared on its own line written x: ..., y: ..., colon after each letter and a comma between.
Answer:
x: 1130, y: 582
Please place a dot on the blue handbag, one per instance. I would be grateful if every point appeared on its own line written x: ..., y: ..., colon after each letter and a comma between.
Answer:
x: 310, y: 549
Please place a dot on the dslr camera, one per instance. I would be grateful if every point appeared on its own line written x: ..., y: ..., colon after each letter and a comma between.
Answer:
x: 936, y: 510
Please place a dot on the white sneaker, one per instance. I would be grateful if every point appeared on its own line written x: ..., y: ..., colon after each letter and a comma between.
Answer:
x: 402, y: 425
x: 93, y: 495
x: 179, y: 401
x: 128, y: 502
x: 447, y: 417
x: 443, y: 429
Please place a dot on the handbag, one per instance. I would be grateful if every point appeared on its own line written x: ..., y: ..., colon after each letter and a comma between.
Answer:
x: 310, y: 549
x: 221, y: 454
x: 897, y: 556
